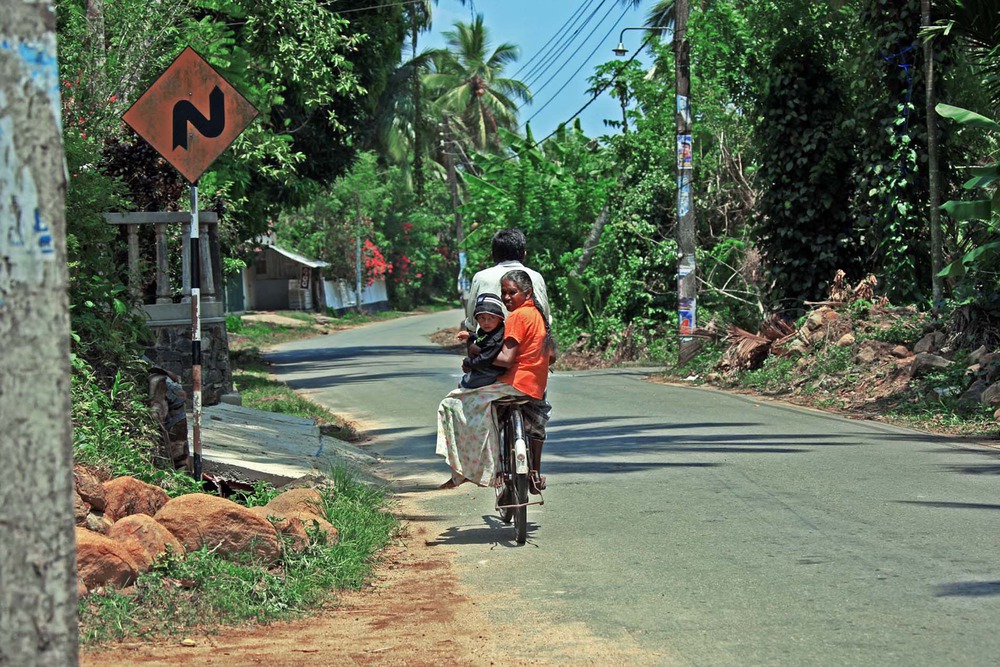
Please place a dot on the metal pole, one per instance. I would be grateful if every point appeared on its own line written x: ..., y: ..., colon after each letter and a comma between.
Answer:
x: 196, y: 331
x: 687, y: 287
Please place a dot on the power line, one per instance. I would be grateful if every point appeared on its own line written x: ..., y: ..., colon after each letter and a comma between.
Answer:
x: 542, y: 66
x: 596, y: 94
x: 579, y: 10
x: 586, y: 60
x: 560, y: 47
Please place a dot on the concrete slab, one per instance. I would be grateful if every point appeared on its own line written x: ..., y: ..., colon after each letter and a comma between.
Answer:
x: 276, y: 446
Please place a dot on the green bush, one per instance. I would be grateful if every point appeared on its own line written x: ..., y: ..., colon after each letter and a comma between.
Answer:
x: 234, y: 324
x: 114, y: 431
x: 773, y: 377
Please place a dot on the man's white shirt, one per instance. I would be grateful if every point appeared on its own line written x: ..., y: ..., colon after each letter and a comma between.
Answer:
x: 488, y: 281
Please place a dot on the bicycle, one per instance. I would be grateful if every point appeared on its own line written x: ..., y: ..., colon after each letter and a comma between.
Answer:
x: 512, y: 487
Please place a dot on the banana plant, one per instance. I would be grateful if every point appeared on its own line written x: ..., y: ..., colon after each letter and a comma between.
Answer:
x: 986, y: 209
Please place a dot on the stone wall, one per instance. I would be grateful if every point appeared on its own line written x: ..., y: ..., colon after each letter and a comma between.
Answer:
x: 172, y: 351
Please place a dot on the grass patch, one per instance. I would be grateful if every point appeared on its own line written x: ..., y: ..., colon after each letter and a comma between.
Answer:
x: 251, y: 377
x: 260, y: 335
x: 773, y: 377
x: 204, y: 591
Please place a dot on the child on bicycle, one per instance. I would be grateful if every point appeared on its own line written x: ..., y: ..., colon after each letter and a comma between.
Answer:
x: 485, y: 346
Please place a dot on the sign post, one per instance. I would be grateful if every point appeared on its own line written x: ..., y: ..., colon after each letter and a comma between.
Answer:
x: 171, y: 117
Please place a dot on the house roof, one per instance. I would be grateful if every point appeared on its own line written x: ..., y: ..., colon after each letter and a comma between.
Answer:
x: 295, y: 257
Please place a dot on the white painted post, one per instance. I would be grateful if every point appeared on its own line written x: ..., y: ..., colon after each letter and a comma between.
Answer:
x: 195, y: 264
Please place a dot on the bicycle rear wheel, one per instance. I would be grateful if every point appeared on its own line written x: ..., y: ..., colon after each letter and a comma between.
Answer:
x: 505, y: 491
x: 520, y: 481
x: 521, y: 511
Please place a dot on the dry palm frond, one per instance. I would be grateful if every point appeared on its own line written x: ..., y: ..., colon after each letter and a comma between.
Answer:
x: 776, y: 328
x: 840, y: 290
x: 747, y: 351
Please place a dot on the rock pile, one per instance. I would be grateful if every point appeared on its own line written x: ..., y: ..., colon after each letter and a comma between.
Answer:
x: 977, y: 382
x: 124, y: 526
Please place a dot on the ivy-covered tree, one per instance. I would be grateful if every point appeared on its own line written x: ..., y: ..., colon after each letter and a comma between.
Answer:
x: 804, y: 230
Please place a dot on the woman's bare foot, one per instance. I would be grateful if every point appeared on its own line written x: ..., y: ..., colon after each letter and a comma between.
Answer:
x: 452, y: 484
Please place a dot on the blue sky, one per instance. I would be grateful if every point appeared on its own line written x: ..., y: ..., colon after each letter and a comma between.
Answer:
x: 530, y: 24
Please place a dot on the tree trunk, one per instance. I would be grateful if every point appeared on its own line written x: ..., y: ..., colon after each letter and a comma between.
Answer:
x: 590, y: 245
x: 418, y: 152
x: 96, y: 86
x: 38, y: 624
x: 449, y: 149
x: 933, y: 168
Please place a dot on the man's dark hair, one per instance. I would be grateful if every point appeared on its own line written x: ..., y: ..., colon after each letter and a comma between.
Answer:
x: 509, y: 245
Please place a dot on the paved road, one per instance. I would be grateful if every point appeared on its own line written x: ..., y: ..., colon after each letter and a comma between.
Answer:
x: 706, y: 528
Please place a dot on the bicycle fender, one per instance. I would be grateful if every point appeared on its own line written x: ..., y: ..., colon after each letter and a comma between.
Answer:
x: 521, y: 456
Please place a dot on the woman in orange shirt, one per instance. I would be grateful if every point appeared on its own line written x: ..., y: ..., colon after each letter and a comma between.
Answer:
x: 467, y: 431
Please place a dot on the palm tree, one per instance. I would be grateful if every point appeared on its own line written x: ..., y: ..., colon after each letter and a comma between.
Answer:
x: 468, y: 85
x: 976, y: 23
x: 662, y: 14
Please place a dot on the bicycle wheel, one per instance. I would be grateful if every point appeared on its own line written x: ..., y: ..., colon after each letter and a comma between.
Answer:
x: 520, y: 481
x: 521, y: 512
x: 505, y: 496
x: 505, y: 492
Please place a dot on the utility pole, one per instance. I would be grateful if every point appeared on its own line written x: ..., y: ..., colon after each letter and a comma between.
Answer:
x: 38, y: 622
x: 687, y: 286
x: 933, y: 170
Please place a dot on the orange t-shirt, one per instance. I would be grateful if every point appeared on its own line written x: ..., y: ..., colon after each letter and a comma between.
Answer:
x: 530, y: 372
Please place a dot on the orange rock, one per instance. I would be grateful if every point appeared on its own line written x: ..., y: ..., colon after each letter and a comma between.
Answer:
x: 143, y: 528
x: 290, y: 527
x: 89, y: 488
x: 310, y: 522
x: 198, y: 519
x: 100, y: 561
x: 80, y: 510
x: 126, y: 496
x: 137, y: 550
x: 98, y: 523
x: 298, y: 500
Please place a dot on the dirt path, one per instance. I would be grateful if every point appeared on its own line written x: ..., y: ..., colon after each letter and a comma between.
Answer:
x: 415, y: 613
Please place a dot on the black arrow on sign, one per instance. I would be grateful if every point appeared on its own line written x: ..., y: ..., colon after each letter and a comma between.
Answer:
x: 211, y: 127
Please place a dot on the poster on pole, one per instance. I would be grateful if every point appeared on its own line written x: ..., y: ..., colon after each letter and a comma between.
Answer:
x: 684, y: 152
x: 683, y: 196
x: 464, y: 284
x: 683, y: 112
x: 686, y: 316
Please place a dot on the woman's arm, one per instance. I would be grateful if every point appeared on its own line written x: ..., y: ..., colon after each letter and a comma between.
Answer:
x: 508, y: 354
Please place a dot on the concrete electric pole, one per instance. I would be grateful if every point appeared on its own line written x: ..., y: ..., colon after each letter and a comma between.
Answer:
x: 38, y: 622
x: 687, y: 286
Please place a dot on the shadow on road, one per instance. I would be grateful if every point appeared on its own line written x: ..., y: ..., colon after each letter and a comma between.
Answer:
x: 951, y: 505
x: 496, y: 533
x: 556, y: 466
x: 968, y: 589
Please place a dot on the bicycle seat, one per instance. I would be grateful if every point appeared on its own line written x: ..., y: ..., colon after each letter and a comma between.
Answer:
x: 511, y: 400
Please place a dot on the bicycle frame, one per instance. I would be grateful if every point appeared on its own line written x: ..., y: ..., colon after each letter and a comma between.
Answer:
x: 511, y: 423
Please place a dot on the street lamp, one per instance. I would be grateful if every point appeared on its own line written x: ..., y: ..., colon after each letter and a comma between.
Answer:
x: 687, y: 287
x: 620, y: 50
